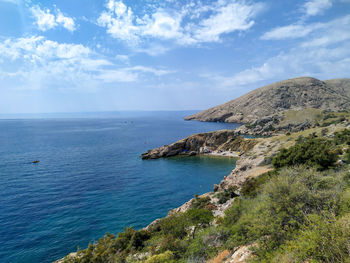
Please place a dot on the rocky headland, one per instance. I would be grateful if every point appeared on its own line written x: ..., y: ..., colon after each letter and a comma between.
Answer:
x: 224, y: 142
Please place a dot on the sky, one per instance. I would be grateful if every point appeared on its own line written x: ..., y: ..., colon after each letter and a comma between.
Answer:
x: 109, y: 55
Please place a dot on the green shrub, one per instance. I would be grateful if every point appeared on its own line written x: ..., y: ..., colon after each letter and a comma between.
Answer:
x: 281, y: 209
x: 233, y: 213
x: 251, y: 185
x: 170, y: 243
x: 310, y: 151
x: 347, y: 156
x: 177, y: 225
x: 227, y: 194
x: 174, y: 225
x: 200, y: 202
x: 166, y: 257
x: 138, y: 239
x: 322, y: 240
x: 200, y: 217
x: 206, y: 244
x: 342, y: 137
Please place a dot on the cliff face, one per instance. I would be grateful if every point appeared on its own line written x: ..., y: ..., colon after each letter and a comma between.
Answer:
x: 225, y: 140
x: 297, y: 93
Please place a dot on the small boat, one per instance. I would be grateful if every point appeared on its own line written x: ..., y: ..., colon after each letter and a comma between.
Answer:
x: 36, y: 161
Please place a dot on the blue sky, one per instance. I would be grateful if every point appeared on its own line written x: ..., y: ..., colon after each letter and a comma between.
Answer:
x: 96, y: 55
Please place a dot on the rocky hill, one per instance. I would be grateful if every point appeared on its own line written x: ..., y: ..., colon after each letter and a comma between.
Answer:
x: 291, y: 94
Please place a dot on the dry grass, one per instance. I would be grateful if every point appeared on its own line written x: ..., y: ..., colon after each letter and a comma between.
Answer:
x: 298, y: 116
x: 220, y: 257
x: 259, y: 170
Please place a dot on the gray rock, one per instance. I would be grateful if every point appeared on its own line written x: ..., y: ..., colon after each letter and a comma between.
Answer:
x: 202, y: 143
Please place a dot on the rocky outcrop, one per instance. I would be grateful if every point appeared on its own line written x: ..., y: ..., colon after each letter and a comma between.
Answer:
x: 203, y: 143
x: 341, y: 86
x: 271, y: 100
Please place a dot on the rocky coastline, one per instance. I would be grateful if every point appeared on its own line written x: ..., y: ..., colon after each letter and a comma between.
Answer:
x: 224, y: 142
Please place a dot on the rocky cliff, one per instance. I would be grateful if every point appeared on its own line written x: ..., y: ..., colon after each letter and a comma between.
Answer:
x: 203, y: 143
x: 272, y: 100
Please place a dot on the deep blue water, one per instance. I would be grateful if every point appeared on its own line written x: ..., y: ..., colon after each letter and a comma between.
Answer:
x: 91, y: 179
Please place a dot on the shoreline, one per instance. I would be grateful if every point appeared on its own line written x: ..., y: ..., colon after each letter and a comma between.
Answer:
x: 230, y: 154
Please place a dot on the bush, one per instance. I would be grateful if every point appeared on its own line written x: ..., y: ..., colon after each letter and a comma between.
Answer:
x: 123, y: 239
x: 138, y: 239
x: 206, y: 244
x: 342, y: 137
x: 322, y: 240
x: 201, y: 217
x: 200, y: 202
x: 282, y: 208
x: 166, y: 257
x: 310, y: 151
x: 347, y: 156
x: 233, y: 213
x: 251, y: 185
x: 174, y: 225
x: 227, y: 194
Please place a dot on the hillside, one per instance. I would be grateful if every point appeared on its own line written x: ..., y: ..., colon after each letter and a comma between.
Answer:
x: 291, y: 94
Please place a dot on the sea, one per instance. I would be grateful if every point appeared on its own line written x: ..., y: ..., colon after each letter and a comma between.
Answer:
x: 91, y: 179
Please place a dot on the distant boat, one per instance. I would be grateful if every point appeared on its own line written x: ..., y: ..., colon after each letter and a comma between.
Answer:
x: 36, y: 161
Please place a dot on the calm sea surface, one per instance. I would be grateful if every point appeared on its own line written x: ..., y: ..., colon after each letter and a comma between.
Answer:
x: 91, y: 179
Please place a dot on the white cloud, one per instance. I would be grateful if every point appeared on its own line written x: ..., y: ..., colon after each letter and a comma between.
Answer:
x: 162, y: 25
x: 192, y: 24
x: 300, y: 29
x: 67, y: 22
x: 46, y: 20
x: 111, y: 76
x: 336, y: 30
x: 157, y: 72
x: 316, y: 7
x: 16, y: 2
x: 153, y: 49
x: 123, y: 58
x: 290, y: 31
x: 36, y: 63
x: 38, y: 48
x: 325, y: 54
x: 228, y: 18
x: 119, y: 21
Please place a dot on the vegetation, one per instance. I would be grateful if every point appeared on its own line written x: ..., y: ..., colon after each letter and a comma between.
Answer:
x: 300, y: 212
x: 310, y: 151
x: 227, y: 194
x: 200, y: 202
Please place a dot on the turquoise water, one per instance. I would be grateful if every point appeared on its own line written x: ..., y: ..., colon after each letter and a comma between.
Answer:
x: 91, y: 179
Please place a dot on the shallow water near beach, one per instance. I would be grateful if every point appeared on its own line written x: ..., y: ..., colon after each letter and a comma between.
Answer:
x: 91, y: 179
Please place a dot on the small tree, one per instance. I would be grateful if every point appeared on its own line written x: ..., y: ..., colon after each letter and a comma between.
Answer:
x: 199, y: 218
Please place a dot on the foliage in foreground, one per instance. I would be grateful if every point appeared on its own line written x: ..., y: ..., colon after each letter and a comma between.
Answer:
x: 299, y: 214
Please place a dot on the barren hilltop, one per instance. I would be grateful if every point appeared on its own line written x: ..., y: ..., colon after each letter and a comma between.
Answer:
x: 291, y: 94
